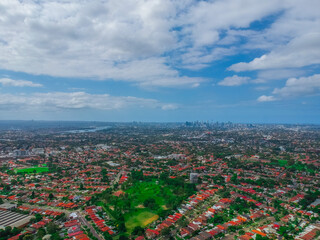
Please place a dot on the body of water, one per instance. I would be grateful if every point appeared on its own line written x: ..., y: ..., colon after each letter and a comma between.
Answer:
x: 88, y: 130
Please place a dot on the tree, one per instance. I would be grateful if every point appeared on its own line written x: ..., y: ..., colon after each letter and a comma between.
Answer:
x: 107, y: 236
x: 218, y: 219
x: 233, y: 228
x: 163, y: 213
x: 138, y: 231
x: 51, y: 196
x: 38, y: 217
x: 166, y: 232
x: 259, y: 237
x: 41, y: 233
x: 123, y: 237
x: 27, y: 237
x: 291, y: 162
x: 183, y: 221
x: 137, y: 175
x: 164, y: 176
x: 121, y: 226
x: 62, y: 216
x: 15, y: 231
x: 13, y: 182
x: 234, y: 178
x: 52, y: 228
x: 3, y: 233
x: 104, y: 175
x: 7, y: 230
x: 226, y: 194
x: 283, y: 230
x: 150, y: 203
x: 56, y: 236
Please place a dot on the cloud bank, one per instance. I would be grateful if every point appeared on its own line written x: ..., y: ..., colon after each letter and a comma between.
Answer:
x: 77, y: 100
x: 147, y: 42
x: 18, y: 83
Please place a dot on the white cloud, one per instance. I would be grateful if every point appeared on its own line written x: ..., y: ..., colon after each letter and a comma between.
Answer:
x: 199, y: 58
x: 275, y: 74
x: 235, y: 80
x: 295, y: 87
x: 146, y: 41
x: 291, y: 42
x: 77, y: 100
x: 169, y: 107
x: 298, y: 18
x: 173, y: 82
x: 120, y: 40
x: 304, y: 86
x: 18, y: 83
x: 205, y: 19
x: 301, y: 51
x: 265, y: 98
x: 150, y: 72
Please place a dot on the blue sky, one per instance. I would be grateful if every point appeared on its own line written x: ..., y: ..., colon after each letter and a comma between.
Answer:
x: 160, y: 60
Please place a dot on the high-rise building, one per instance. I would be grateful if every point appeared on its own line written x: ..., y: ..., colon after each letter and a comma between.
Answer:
x: 193, y: 177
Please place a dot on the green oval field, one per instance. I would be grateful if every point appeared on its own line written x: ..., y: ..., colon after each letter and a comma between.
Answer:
x: 139, y: 218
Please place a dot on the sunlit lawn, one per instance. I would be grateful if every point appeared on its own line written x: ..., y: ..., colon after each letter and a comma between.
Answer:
x: 139, y: 218
x: 32, y: 170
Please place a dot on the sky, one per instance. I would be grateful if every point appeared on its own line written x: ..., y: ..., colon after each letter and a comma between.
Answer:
x: 160, y: 60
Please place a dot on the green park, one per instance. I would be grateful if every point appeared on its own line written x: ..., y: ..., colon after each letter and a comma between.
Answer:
x: 141, y: 201
x: 31, y: 170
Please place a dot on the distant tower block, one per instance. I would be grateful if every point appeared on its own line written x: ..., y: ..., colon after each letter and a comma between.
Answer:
x: 193, y: 177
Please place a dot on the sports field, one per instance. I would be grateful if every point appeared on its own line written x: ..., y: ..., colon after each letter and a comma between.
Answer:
x: 32, y: 170
x: 139, y: 218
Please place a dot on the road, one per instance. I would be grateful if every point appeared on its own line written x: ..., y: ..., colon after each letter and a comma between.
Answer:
x: 117, y: 178
x: 83, y: 221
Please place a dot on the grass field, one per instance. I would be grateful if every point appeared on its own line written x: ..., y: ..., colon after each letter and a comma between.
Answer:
x: 139, y: 218
x: 282, y: 163
x: 146, y: 190
x: 32, y: 170
x: 137, y: 208
x: 141, y: 192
